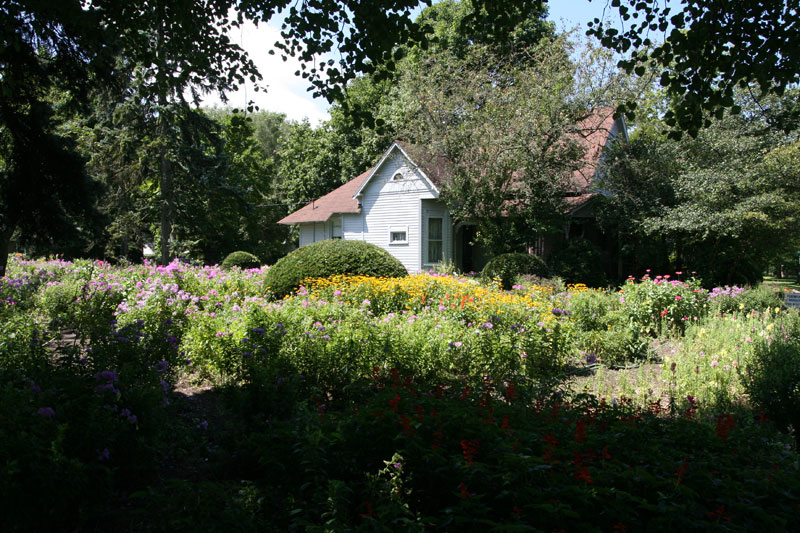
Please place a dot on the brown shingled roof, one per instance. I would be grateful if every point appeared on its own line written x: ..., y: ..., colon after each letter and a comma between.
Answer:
x: 337, y: 201
x: 593, y: 132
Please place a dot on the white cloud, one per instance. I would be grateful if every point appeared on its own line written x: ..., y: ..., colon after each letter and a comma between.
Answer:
x: 286, y: 93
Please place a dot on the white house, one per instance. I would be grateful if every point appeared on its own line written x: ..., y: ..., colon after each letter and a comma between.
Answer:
x: 396, y: 204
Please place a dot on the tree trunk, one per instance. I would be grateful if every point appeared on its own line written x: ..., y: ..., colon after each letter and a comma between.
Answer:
x: 5, y: 240
x: 166, y: 196
x: 166, y: 204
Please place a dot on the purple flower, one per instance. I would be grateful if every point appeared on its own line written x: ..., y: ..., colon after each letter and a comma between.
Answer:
x: 46, y: 412
x: 109, y: 376
x: 487, y: 325
x: 591, y: 359
x: 104, y: 455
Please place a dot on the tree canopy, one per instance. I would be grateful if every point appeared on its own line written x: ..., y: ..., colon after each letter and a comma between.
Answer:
x: 723, y: 204
x: 178, y: 50
x: 709, y: 49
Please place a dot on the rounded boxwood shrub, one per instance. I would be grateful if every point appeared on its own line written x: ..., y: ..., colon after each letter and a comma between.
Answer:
x: 241, y: 259
x: 327, y: 258
x: 507, y: 267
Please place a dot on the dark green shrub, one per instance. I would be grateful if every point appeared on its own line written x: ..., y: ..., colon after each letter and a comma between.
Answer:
x: 772, y: 380
x: 328, y: 258
x: 579, y: 262
x: 506, y: 268
x: 760, y: 298
x: 241, y: 259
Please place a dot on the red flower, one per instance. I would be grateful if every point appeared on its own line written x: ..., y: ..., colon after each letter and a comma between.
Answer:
x: 463, y: 490
x: 580, y: 431
x: 724, y: 425
x: 469, y: 448
x: 408, y: 430
x: 664, y: 312
x: 393, y: 403
x: 369, y: 510
x: 719, y: 514
x: 681, y: 470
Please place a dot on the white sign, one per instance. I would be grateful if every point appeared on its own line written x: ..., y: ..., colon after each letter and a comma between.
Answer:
x: 792, y: 299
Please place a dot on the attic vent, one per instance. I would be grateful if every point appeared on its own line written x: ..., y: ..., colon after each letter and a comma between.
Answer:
x: 398, y: 176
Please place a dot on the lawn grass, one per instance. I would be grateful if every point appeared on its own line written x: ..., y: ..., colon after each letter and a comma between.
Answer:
x: 778, y: 283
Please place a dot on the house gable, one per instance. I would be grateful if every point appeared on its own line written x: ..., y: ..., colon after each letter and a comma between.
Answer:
x: 392, y: 199
x: 397, y: 167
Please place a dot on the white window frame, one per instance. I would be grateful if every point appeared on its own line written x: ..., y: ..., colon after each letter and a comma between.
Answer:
x: 397, y: 229
x: 333, y: 228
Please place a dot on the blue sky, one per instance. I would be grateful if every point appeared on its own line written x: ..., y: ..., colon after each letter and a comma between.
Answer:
x: 286, y: 93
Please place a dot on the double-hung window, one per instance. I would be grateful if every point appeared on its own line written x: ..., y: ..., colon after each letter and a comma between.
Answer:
x: 434, y: 240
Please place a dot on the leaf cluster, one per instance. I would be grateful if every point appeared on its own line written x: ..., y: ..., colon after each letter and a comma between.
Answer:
x: 709, y: 49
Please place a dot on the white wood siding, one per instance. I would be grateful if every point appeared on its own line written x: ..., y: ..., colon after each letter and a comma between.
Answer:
x: 313, y: 232
x: 306, y: 234
x: 352, y: 227
x: 388, y: 203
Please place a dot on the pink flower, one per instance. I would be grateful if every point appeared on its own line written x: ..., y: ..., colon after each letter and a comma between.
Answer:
x: 679, y: 297
x: 714, y: 363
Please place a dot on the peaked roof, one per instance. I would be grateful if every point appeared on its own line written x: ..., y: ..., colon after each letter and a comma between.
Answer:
x: 593, y: 134
x: 339, y: 200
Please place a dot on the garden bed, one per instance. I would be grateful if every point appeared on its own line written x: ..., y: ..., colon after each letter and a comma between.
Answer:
x: 420, y: 403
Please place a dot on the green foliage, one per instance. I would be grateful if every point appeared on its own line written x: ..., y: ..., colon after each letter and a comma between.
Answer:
x: 507, y: 267
x: 241, y: 259
x: 514, y: 190
x: 77, y: 424
x: 701, y: 86
x: 327, y: 258
x: 722, y: 204
x: 605, y: 332
x: 759, y: 299
x: 389, y: 413
x: 579, y: 262
x: 660, y: 305
x: 487, y: 451
x: 772, y: 377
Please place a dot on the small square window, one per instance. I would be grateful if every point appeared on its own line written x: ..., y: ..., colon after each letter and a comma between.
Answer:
x: 398, y: 235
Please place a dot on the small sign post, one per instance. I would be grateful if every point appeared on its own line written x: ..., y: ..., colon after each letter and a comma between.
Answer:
x: 792, y: 299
